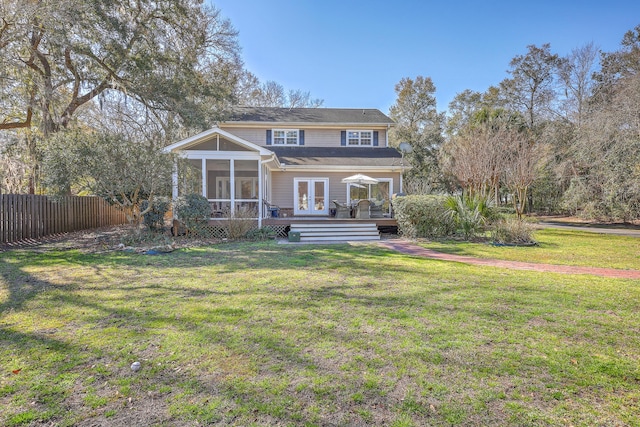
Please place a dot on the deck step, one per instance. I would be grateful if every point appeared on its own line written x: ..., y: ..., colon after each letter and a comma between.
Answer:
x: 322, y: 231
x: 332, y: 225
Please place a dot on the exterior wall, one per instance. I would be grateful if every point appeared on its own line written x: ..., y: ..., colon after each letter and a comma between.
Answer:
x: 282, y: 185
x: 312, y: 137
x: 257, y: 136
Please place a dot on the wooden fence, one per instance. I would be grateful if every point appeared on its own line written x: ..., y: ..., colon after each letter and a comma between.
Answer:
x: 26, y: 216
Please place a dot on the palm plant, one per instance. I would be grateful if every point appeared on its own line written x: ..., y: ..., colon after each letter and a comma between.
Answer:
x: 470, y: 213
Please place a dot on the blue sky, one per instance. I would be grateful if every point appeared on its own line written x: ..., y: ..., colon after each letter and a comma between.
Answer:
x: 351, y: 53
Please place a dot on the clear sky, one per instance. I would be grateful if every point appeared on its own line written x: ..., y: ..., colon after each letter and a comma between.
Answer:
x: 352, y: 53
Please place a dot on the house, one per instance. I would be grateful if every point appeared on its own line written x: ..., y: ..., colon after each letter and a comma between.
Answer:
x: 292, y: 158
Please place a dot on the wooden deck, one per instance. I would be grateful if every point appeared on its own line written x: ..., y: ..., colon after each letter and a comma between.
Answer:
x: 380, y: 222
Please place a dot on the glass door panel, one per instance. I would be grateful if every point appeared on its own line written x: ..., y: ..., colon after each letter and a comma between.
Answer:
x: 319, y: 197
x: 303, y: 197
x: 311, y: 196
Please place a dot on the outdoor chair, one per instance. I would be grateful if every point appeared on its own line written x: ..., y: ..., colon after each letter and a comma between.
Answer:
x: 362, y: 209
x: 375, y: 210
x: 342, y: 211
x: 274, y: 211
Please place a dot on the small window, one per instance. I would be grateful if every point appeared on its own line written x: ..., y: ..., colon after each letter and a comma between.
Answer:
x: 285, y: 136
x: 359, y: 137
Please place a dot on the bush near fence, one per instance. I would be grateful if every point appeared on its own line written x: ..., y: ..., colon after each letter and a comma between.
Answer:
x: 27, y: 216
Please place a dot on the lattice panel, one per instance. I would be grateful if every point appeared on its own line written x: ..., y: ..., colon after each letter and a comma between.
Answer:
x: 280, y: 230
x: 220, y: 232
x: 213, y: 231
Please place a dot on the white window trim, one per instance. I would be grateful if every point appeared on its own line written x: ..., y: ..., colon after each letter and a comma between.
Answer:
x: 360, y: 144
x: 273, y: 136
x: 310, y: 211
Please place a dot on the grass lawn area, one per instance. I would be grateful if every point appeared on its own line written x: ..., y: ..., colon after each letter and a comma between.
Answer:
x: 266, y: 334
x: 557, y: 246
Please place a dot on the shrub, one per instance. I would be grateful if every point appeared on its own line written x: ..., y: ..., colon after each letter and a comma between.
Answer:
x: 513, y: 231
x: 154, y: 219
x: 193, y: 210
x: 240, y: 223
x: 423, y: 216
x: 470, y: 214
x: 264, y: 233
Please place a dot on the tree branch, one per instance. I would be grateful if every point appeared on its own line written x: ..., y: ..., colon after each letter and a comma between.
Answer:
x: 5, y: 27
x: 27, y: 121
x: 18, y: 125
x: 72, y: 68
x: 77, y: 101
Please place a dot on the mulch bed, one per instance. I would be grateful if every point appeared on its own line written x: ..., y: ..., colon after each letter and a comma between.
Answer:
x: 107, y: 239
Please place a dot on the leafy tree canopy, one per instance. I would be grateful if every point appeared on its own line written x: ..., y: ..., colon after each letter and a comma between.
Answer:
x: 170, y: 56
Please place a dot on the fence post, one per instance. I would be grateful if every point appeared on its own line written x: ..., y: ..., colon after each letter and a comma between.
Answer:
x: 3, y: 213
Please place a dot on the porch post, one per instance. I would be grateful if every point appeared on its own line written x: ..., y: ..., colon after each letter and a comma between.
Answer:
x: 204, y: 178
x: 232, y: 185
x: 260, y: 193
x: 174, y: 184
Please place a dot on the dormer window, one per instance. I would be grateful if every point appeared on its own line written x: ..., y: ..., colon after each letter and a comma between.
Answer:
x: 286, y: 136
x: 359, y: 137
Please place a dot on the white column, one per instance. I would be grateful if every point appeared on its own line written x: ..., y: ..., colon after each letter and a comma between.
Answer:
x: 204, y: 177
x: 232, y: 185
x: 174, y: 184
x: 260, y: 193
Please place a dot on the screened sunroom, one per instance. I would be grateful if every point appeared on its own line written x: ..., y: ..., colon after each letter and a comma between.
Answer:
x: 230, y: 172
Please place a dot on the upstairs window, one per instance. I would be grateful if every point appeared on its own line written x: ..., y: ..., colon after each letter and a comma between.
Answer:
x: 286, y: 136
x: 359, y: 137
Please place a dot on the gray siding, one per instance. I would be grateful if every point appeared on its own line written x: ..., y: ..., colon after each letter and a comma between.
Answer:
x: 312, y: 137
x: 282, y: 185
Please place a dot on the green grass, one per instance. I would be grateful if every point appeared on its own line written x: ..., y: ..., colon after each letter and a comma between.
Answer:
x: 267, y: 334
x: 556, y: 246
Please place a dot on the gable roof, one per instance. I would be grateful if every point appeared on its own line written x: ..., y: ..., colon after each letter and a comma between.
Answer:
x: 339, y: 156
x: 203, y: 136
x: 309, y: 116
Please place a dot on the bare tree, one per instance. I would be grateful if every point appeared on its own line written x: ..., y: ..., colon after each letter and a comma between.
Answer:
x: 301, y: 99
x: 575, y: 72
x: 476, y: 158
x: 522, y: 164
x: 272, y: 94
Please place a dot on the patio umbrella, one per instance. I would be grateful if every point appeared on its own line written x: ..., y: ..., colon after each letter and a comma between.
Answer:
x: 359, y: 179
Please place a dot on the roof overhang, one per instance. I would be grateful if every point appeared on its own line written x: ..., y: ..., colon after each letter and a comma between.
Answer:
x: 285, y: 167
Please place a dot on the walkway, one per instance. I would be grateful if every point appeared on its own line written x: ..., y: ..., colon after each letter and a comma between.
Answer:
x: 411, y: 249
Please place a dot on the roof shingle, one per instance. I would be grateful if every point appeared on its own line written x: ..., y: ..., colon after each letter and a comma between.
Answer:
x: 310, y: 115
x: 339, y: 156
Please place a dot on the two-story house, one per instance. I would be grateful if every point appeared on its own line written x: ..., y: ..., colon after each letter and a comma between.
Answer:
x: 293, y: 158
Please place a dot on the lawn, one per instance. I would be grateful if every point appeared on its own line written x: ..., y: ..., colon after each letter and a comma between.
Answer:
x: 268, y: 334
x: 557, y: 246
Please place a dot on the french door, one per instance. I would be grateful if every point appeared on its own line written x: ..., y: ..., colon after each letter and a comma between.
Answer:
x: 310, y: 196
